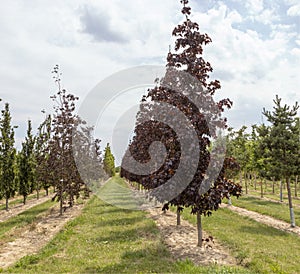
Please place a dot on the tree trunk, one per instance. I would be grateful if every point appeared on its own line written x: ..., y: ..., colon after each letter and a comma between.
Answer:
x: 246, y: 183
x: 229, y: 200
x: 296, y: 183
x: 292, y: 215
x: 241, y: 178
x: 24, y: 199
x: 178, y: 216
x: 61, y: 202
x: 266, y: 185
x: 255, y: 181
x: 61, y: 206
x: 199, y: 229
x: 47, y: 191
x: 273, y: 185
x: 6, y: 203
x: 37, y: 194
x: 261, y: 189
x: 280, y: 195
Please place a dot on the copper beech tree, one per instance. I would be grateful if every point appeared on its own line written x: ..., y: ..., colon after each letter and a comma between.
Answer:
x: 67, y: 128
x: 188, y: 73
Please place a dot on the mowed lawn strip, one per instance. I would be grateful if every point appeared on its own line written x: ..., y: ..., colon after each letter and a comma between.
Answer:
x: 108, y: 239
x: 24, y: 218
x: 273, y: 209
x: 260, y: 248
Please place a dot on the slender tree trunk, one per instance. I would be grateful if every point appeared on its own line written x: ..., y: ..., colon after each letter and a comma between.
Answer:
x: 246, y: 182
x: 273, y: 185
x: 37, y: 194
x: 255, y: 181
x: 292, y: 215
x: 24, y: 199
x: 241, y: 178
x: 229, y: 200
x: 296, y: 183
x: 61, y: 202
x: 266, y: 185
x: 6, y: 203
x: 61, y: 206
x: 261, y: 189
x: 178, y: 216
x: 199, y: 229
x: 47, y: 191
x: 281, y: 195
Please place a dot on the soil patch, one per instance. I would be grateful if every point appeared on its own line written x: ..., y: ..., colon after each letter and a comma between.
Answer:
x: 17, y: 209
x: 264, y: 219
x: 36, y: 235
x: 182, y: 241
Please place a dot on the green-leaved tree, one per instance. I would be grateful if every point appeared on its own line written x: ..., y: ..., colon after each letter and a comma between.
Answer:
x: 8, y: 185
x: 282, y: 142
x: 26, y: 165
x: 109, y: 161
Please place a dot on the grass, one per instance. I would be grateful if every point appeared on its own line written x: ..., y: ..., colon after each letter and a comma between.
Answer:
x: 273, y: 209
x: 260, y: 248
x: 108, y: 239
x: 267, y: 191
x: 24, y: 218
x: 19, y: 200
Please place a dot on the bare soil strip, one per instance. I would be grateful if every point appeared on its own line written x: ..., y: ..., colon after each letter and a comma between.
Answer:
x: 17, y: 209
x: 182, y: 241
x: 36, y: 235
x: 264, y: 219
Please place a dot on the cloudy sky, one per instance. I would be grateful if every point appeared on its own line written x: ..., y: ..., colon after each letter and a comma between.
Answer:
x: 255, y: 51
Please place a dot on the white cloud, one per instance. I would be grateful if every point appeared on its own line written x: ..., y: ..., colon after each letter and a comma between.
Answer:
x: 294, y: 10
x: 267, y: 17
x: 254, y: 6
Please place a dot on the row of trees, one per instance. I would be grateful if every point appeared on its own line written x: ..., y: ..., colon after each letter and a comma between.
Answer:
x: 271, y: 151
x: 48, y: 158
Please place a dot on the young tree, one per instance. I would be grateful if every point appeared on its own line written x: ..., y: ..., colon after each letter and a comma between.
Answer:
x: 44, y: 174
x: 67, y: 179
x: 109, y: 162
x: 238, y: 147
x: 88, y: 157
x: 282, y: 141
x: 204, y: 118
x: 26, y: 165
x: 8, y: 185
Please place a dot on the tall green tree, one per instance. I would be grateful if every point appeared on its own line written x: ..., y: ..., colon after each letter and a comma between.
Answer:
x: 239, y: 147
x: 282, y: 141
x: 8, y: 184
x: 109, y: 161
x: 44, y: 174
x: 26, y: 165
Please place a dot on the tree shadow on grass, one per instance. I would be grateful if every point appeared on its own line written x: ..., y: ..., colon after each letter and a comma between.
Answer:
x: 127, y: 235
x: 23, y: 218
x: 263, y: 230
x: 154, y: 259
x: 121, y: 221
